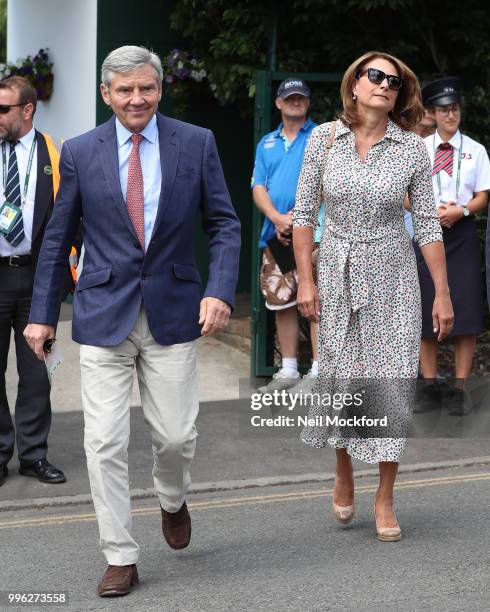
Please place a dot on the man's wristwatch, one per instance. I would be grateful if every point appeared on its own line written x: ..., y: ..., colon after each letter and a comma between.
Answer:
x: 466, y: 211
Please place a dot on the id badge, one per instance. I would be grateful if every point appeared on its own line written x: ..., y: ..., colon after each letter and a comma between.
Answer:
x: 53, y: 360
x: 9, y: 213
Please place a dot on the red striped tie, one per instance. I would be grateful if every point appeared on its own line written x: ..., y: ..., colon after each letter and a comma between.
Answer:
x: 444, y: 159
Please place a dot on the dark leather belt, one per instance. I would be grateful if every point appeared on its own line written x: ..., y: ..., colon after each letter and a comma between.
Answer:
x: 15, y: 261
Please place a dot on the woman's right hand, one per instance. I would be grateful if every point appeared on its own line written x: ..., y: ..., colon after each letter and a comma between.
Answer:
x: 309, y: 301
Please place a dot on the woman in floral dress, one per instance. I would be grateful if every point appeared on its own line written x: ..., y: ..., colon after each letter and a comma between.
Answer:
x: 368, y: 296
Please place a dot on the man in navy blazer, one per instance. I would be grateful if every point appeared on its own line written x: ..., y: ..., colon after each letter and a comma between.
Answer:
x: 138, y: 182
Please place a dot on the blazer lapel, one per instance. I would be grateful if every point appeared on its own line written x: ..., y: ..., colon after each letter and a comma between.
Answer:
x: 169, y: 159
x: 109, y: 162
x: 44, y: 186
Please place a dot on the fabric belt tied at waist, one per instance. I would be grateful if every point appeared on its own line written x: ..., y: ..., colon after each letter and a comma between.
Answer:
x: 353, y: 260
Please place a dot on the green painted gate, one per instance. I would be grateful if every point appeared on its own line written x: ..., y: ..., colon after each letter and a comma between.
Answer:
x: 263, y: 327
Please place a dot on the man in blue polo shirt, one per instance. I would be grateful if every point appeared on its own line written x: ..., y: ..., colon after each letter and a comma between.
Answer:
x: 275, y: 177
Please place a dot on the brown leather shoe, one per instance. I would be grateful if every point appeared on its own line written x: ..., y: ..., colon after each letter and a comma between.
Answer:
x: 176, y: 527
x: 117, y: 580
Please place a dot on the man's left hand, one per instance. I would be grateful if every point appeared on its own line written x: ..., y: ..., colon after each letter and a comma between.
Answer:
x: 284, y: 239
x: 213, y: 316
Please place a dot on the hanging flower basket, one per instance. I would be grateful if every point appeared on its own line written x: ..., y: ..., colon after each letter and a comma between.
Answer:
x: 37, y: 69
x: 44, y: 86
x: 184, y: 77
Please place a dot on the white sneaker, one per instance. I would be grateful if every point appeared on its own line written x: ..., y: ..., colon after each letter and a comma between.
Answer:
x: 280, y: 381
x: 305, y: 384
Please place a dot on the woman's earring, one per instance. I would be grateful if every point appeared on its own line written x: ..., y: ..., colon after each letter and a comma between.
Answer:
x: 354, y: 96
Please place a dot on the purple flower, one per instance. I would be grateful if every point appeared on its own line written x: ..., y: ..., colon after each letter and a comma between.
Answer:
x: 181, y: 72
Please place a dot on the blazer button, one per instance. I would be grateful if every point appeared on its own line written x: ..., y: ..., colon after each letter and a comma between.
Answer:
x: 144, y: 275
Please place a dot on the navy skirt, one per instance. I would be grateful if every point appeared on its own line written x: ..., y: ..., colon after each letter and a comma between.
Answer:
x: 463, y: 260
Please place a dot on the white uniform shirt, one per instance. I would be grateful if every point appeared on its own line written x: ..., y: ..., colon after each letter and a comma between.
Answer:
x: 475, y: 169
x: 22, y: 151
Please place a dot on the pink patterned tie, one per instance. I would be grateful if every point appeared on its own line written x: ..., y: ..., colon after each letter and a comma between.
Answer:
x: 135, y: 195
x: 443, y: 159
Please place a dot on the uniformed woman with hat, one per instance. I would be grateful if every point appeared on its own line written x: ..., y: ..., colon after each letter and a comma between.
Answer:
x: 461, y: 180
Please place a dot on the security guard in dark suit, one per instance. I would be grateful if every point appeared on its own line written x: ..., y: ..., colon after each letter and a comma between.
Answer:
x: 29, y: 163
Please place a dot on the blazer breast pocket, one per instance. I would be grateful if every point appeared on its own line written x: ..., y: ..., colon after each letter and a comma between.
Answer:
x: 93, y: 279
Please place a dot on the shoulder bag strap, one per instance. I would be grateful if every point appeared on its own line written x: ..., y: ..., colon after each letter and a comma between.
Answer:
x: 329, y: 144
x: 331, y: 135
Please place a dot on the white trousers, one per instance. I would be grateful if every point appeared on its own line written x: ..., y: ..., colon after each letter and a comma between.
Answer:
x: 167, y: 378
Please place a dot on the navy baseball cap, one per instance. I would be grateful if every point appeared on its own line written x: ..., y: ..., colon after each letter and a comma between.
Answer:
x: 441, y: 91
x: 293, y: 86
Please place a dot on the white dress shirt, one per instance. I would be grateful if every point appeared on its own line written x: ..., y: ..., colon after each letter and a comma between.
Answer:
x: 475, y: 169
x: 22, y: 150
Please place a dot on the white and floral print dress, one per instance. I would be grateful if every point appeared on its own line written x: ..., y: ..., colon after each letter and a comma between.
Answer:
x: 370, y: 322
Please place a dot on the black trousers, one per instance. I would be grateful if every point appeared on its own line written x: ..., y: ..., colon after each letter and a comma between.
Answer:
x: 33, y: 407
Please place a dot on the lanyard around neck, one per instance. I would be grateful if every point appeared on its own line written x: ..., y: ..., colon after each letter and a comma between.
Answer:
x: 458, y: 174
x: 28, y: 171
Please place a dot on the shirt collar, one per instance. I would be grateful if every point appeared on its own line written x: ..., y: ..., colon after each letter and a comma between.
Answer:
x: 341, y: 129
x: 307, y: 125
x: 26, y: 140
x: 393, y: 131
x: 150, y: 132
x: 304, y: 128
x: 455, y: 140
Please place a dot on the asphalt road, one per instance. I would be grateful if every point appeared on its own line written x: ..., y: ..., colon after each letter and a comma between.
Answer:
x: 225, y: 451
x: 273, y: 549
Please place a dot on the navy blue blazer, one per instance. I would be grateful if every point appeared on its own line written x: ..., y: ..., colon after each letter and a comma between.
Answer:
x: 116, y: 274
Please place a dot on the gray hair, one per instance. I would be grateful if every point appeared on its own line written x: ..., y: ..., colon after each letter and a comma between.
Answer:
x: 128, y: 58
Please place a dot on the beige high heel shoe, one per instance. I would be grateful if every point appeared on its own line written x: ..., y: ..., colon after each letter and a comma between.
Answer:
x: 387, y: 534
x: 343, y: 514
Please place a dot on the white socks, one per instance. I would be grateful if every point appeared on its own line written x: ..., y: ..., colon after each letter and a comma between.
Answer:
x: 290, y: 366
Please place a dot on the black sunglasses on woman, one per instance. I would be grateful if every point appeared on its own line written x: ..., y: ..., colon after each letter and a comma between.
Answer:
x: 378, y: 76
